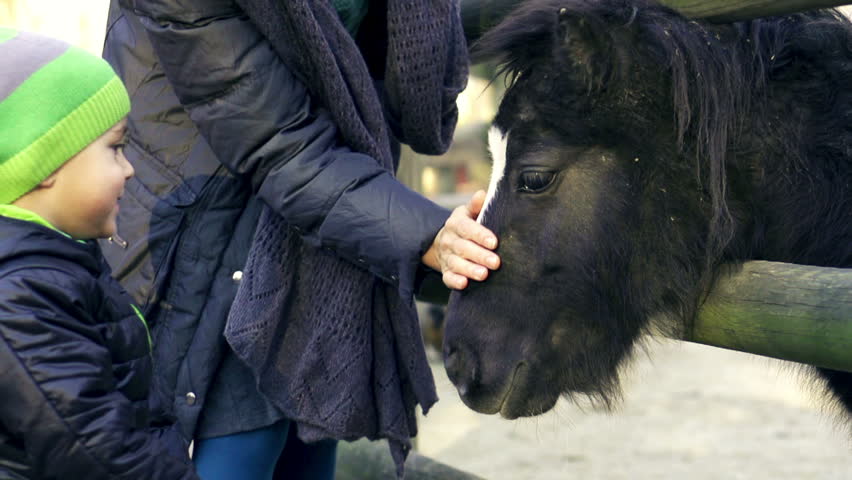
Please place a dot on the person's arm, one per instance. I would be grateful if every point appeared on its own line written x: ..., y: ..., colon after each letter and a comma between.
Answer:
x: 261, y: 122
x: 58, y: 395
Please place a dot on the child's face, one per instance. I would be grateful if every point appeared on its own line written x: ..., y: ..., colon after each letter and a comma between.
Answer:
x: 89, y: 185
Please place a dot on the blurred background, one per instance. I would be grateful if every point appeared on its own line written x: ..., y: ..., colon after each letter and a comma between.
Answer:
x: 689, y: 411
x: 81, y: 22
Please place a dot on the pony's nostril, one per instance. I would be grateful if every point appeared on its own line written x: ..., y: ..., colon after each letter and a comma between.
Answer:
x: 459, y: 369
x: 451, y: 363
x: 462, y: 388
x: 449, y: 351
x: 465, y: 383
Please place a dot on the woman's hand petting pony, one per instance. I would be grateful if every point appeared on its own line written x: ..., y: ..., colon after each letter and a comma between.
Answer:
x: 463, y: 248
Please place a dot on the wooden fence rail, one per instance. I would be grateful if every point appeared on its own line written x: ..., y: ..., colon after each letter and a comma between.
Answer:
x: 480, y: 15
x: 791, y: 312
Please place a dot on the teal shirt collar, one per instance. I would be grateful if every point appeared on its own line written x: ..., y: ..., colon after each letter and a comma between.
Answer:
x: 351, y: 13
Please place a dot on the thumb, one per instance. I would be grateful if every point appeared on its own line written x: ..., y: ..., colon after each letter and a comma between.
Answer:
x: 476, y: 203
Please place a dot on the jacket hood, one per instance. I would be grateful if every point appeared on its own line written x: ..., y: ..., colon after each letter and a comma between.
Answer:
x: 20, y: 238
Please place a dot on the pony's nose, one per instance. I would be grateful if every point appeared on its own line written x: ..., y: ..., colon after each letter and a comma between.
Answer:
x: 461, y: 368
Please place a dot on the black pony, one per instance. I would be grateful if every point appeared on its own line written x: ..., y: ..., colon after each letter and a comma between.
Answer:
x: 636, y: 151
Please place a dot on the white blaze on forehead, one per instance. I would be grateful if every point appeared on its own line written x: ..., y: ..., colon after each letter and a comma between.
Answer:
x: 497, y: 146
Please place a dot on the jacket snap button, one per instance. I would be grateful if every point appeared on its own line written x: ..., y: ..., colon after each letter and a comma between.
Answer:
x: 237, y: 276
x: 190, y: 398
x: 115, y: 239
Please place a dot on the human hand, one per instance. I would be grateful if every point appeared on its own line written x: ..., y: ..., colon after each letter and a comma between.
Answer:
x: 462, y: 249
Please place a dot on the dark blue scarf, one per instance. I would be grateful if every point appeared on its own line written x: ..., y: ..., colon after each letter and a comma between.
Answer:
x: 338, y: 351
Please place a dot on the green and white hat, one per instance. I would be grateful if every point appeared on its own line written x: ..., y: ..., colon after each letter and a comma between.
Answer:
x: 55, y: 99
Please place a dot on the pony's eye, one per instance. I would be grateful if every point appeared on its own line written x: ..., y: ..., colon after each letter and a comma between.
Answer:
x: 535, y: 181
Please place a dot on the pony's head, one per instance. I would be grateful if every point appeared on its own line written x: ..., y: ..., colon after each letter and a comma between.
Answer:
x: 608, y: 193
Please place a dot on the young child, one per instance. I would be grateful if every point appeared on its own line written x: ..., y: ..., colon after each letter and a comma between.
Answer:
x: 75, y: 361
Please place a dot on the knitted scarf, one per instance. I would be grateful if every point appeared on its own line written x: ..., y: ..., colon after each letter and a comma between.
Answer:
x: 338, y: 351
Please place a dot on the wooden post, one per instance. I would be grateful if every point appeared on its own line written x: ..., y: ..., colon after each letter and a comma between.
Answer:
x: 480, y: 15
x: 791, y: 312
x: 722, y: 11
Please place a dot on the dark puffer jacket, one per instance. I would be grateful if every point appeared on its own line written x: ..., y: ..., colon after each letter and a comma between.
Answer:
x: 76, y: 367
x: 202, y: 79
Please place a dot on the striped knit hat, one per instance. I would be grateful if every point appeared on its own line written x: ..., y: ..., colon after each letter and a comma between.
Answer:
x: 55, y: 99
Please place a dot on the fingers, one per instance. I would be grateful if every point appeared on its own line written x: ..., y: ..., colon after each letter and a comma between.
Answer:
x: 454, y: 280
x: 466, y: 261
x: 463, y: 248
x: 459, y: 265
x: 464, y: 255
x: 469, y: 240
x: 462, y: 224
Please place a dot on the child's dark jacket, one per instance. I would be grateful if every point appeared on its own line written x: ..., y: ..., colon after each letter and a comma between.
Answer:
x: 75, y: 367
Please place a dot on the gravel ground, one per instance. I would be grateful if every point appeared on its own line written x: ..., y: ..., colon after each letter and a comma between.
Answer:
x: 689, y: 412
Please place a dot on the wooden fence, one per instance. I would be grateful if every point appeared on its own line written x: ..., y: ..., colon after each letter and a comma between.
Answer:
x: 480, y: 15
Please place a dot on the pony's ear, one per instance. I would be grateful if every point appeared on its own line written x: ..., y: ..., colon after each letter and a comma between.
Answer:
x: 522, y: 35
x: 584, y: 43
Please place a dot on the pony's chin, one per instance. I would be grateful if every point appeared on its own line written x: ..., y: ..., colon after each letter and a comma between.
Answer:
x: 517, y: 397
x: 513, y: 406
x: 523, y: 399
x: 528, y: 407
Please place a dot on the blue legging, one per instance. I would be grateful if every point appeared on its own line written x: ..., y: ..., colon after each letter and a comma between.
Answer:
x: 261, y: 455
